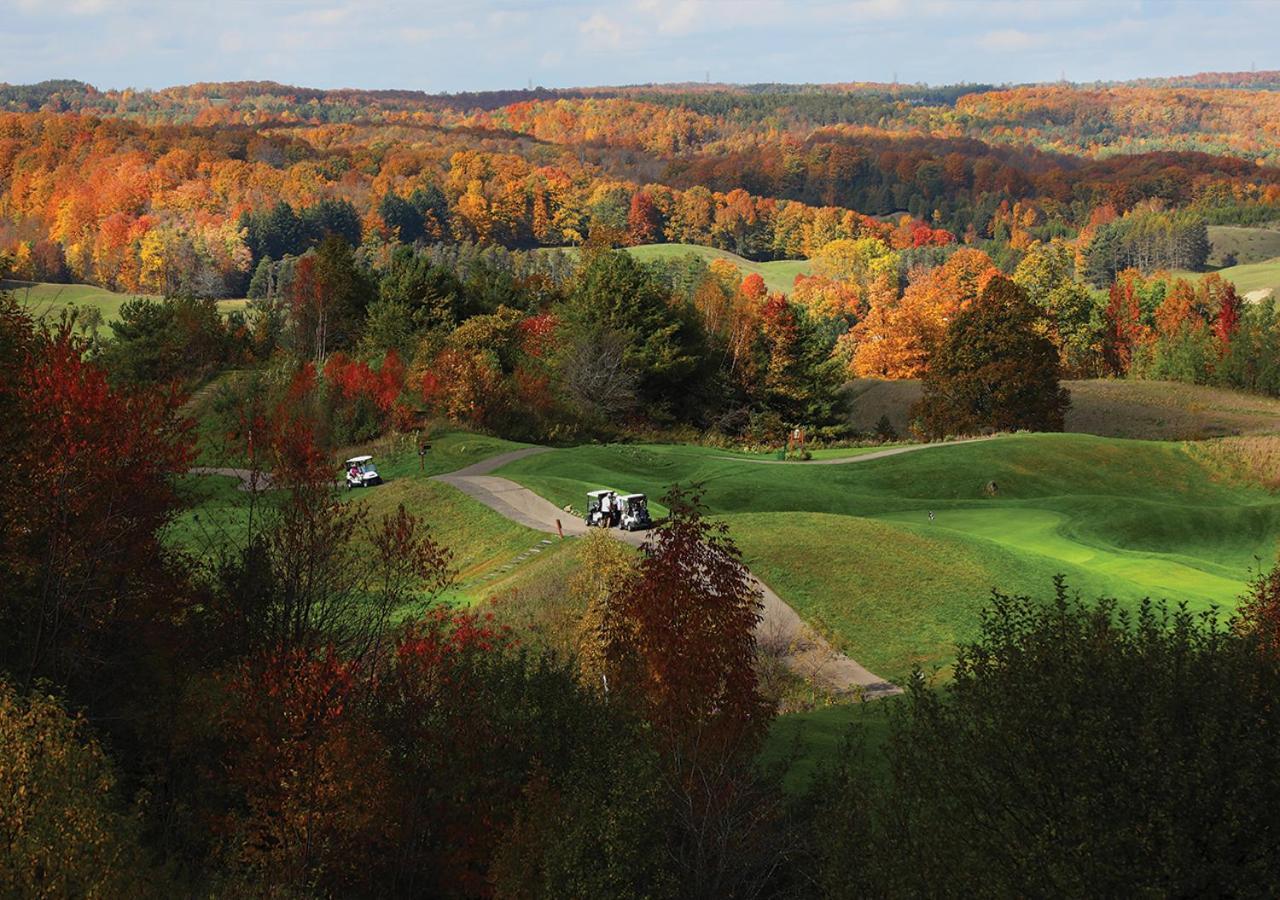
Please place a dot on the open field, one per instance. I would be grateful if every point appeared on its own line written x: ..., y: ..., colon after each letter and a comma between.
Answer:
x: 1152, y: 410
x: 49, y: 300
x: 778, y: 275
x: 1249, y: 278
x: 1248, y: 244
x: 852, y: 548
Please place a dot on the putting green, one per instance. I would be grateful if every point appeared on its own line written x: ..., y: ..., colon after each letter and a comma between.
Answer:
x: 1044, y: 533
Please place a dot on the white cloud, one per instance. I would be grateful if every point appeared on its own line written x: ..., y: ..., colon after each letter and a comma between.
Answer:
x: 602, y: 29
x: 1009, y: 40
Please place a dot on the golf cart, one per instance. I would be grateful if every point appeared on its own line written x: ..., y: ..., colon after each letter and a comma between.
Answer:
x: 361, y: 473
x: 595, y: 508
x: 635, y: 512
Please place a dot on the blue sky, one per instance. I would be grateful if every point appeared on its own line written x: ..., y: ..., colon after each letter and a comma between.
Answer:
x: 489, y: 44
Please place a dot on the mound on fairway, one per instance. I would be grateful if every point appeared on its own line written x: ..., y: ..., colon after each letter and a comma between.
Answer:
x: 1155, y: 410
x: 853, y: 549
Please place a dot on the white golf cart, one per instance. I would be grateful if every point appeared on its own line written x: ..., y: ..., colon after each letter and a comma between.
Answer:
x: 595, y: 508
x: 361, y: 473
x: 635, y: 512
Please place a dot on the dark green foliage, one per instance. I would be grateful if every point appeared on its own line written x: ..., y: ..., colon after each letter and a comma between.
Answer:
x: 263, y: 280
x: 1147, y: 240
x: 663, y: 341
x: 1079, y: 752
x: 432, y: 293
x: 1252, y: 362
x: 401, y: 217
x: 281, y: 231
x: 994, y: 371
x: 157, y: 341
x: 885, y: 430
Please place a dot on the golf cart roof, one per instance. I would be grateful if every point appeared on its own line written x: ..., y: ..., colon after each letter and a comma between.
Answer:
x: 358, y: 460
x: 598, y: 493
x: 632, y: 497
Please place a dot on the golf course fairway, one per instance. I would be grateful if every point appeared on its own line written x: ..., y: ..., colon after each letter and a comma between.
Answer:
x: 853, y: 547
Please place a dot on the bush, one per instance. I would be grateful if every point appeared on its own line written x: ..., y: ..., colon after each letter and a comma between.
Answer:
x: 62, y: 831
x: 1079, y: 751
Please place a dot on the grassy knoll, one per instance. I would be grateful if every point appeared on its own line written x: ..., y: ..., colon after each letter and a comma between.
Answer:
x: 853, y: 549
x: 49, y: 300
x: 1260, y: 276
x: 1155, y: 410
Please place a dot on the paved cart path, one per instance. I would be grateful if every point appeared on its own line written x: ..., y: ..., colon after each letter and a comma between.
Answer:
x: 845, y: 460
x: 808, y: 653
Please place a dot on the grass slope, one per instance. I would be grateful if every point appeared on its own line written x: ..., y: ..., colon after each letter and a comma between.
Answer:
x: 852, y: 548
x: 1247, y: 244
x: 1153, y: 410
x: 49, y: 300
x: 778, y: 275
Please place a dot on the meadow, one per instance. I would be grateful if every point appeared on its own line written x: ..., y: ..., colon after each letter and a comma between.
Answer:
x: 48, y: 300
x: 853, y: 549
x: 1243, y: 244
x: 1107, y: 407
x: 779, y: 275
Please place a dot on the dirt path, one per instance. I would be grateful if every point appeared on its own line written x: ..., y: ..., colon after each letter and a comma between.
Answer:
x: 845, y: 460
x: 806, y: 652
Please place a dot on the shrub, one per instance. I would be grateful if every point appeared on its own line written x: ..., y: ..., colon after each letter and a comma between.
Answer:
x: 1079, y: 751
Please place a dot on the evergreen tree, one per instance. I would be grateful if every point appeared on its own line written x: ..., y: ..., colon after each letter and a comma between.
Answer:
x: 262, y: 284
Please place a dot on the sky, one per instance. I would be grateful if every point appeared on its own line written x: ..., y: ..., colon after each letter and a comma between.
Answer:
x: 494, y: 44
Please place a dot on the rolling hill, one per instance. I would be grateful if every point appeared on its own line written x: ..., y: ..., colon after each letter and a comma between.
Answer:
x: 853, y: 549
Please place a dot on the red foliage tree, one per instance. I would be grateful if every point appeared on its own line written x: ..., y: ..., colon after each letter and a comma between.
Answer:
x: 1259, y: 614
x: 1124, y: 328
x: 644, y: 222
x: 680, y: 633
x: 79, y: 544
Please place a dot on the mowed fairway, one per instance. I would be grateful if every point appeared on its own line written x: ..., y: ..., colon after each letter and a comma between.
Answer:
x: 853, y: 549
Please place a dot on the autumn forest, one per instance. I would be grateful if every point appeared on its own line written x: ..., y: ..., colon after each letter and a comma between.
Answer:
x: 235, y: 662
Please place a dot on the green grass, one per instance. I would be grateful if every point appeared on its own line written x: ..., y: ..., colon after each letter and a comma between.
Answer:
x: 482, y: 541
x: 778, y: 275
x: 803, y: 742
x: 852, y: 548
x: 47, y: 300
x: 1247, y: 277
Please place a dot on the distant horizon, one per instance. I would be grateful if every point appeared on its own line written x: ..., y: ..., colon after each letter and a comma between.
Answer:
x: 493, y: 45
x: 646, y: 84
